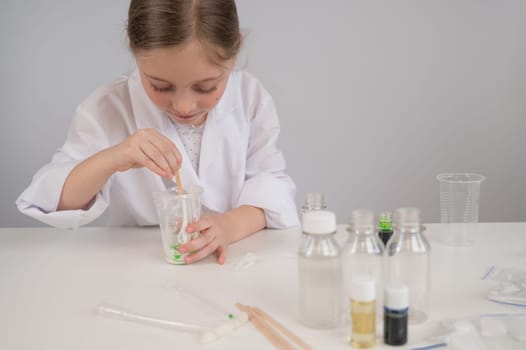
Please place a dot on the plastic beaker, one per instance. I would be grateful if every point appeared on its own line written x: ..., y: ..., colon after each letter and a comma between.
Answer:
x: 459, y: 206
x: 175, y: 211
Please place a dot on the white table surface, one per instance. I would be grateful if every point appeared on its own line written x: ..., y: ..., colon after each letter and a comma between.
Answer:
x: 52, y: 280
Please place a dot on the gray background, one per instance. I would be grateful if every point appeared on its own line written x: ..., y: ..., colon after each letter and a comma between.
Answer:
x: 375, y: 97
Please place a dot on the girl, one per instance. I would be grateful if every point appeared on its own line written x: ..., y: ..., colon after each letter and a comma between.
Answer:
x: 184, y: 107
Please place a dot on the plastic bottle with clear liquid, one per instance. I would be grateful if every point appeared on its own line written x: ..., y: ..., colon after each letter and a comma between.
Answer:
x: 319, y: 271
x: 363, y: 255
x: 408, y: 261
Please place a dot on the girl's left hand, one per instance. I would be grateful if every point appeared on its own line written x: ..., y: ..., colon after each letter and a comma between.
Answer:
x: 213, y: 238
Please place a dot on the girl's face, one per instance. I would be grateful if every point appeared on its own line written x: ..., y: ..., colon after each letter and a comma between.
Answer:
x: 182, y: 81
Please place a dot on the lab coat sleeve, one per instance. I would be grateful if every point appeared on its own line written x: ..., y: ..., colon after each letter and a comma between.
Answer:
x: 40, y: 199
x: 266, y: 185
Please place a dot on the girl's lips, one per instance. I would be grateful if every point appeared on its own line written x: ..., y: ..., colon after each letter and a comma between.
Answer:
x: 190, y: 118
x: 178, y: 116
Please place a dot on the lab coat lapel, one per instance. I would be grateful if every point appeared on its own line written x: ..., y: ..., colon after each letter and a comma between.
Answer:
x: 211, y: 147
x: 146, y: 114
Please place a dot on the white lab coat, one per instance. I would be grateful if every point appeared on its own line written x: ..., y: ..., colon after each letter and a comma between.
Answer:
x: 239, y: 161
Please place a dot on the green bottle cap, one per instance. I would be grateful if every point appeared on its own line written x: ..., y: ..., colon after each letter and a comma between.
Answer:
x: 385, y: 223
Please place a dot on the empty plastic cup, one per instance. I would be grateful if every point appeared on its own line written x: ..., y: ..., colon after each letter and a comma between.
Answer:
x: 175, y: 211
x: 459, y: 207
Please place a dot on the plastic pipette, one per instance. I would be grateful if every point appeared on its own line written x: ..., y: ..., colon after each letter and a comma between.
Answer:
x: 206, y: 334
x: 122, y: 314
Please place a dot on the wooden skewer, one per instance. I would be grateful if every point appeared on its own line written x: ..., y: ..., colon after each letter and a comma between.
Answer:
x: 282, y: 329
x: 178, y: 183
x: 277, y: 340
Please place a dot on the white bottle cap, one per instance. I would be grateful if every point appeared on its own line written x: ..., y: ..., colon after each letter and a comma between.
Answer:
x: 319, y: 222
x: 363, y: 288
x: 396, y: 296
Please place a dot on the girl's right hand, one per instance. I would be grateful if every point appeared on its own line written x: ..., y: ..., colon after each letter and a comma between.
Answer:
x: 148, y: 148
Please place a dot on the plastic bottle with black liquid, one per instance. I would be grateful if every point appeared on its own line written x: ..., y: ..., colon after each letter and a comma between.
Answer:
x: 408, y: 261
x: 396, y: 314
x: 385, y: 227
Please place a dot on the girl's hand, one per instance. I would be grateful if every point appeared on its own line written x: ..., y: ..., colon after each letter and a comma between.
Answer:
x: 213, y: 238
x: 147, y: 148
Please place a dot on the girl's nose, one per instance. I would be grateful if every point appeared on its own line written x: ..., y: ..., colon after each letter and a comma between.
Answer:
x: 183, y: 104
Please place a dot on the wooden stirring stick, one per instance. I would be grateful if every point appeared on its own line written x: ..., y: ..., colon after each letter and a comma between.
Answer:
x: 178, y: 183
x: 182, y: 237
x: 278, y: 341
x: 282, y: 329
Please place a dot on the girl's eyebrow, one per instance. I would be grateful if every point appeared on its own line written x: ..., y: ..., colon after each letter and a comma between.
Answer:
x: 200, y: 81
x: 158, y: 79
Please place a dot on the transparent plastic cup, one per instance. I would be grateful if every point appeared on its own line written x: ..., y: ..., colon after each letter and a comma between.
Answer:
x: 459, y: 207
x: 175, y: 212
